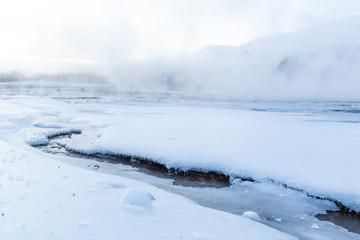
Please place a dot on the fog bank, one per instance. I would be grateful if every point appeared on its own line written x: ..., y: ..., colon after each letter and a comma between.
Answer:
x: 318, y: 63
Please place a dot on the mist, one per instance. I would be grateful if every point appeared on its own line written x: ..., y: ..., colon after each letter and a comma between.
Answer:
x: 320, y: 63
x: 234, y: 49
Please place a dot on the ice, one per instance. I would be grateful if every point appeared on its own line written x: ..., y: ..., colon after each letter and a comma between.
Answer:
x: 94, y: 167
x: 106, y: 185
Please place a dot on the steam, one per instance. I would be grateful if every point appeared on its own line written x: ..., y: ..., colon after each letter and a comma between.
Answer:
x: 113, y: 30
x: 97, y: 41
x: 319, y: 63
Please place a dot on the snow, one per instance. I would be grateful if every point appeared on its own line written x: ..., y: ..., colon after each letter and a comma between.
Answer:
x: 252, y: 215
x: 307, y: 145
x: 42, y: 198
x: 137, y: 199
x: 301, y: 151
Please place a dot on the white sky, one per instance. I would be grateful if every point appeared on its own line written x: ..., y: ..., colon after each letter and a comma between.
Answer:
x: 111, y: 30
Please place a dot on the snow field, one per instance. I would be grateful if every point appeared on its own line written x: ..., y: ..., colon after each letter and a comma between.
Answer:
x: 318, y: 156
x: 44, y: 199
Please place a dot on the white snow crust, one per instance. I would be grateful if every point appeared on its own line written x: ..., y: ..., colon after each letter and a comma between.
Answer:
x: 42, y: 198
x: 307, y: 152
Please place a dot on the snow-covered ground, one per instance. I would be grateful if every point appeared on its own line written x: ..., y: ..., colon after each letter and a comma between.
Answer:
x: 317, y: 153
x: 42, y: 198
x: 305, y: 145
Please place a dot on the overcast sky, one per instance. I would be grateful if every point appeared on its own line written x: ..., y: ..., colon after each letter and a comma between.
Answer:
x: 111, y: 30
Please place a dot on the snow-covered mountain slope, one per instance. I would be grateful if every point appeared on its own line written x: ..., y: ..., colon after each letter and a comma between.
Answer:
x: 321, y: 62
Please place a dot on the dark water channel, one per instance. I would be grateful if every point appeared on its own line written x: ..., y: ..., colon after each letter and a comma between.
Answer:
x: 285, y: 209
x: 191, y: 178
x: 348, y: 220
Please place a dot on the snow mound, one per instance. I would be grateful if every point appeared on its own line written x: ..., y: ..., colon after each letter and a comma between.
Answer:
x: 137, y: 199
x: 252, y: 215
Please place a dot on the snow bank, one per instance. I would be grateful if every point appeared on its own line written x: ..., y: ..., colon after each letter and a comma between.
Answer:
x: 311, y: 152
x: 45, y: 199
x: 316, y: 152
